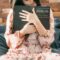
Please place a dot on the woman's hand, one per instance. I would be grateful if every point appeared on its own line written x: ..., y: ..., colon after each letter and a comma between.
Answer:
x: 27, y: 16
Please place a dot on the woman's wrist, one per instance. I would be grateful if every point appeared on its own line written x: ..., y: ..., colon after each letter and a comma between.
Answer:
x: 21, y: 34
x: 23, y: 31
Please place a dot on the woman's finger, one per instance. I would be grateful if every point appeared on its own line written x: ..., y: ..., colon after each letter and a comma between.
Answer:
x: 33, y: 10
x: 21, y: 13
x: 22, y: 16
x: 24, y: 20
x: 51, y: 15
x: 25, y: 11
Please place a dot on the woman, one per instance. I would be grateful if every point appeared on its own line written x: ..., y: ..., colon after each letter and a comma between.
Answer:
x: 18, y: 50
x: 28, y: 29
x: 43, y: 35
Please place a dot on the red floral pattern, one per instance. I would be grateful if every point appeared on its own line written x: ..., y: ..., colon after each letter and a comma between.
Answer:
x: 34, y: 48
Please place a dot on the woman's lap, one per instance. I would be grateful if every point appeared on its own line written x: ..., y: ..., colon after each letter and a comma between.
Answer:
x: 14, y: 55
x: 21, y: 56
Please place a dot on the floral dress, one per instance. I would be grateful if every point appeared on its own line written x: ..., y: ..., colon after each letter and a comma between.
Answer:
x: 35, y: 47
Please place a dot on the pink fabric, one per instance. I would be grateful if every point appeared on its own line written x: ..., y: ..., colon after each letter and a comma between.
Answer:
x: 17, y: 54
x: 34, y: 48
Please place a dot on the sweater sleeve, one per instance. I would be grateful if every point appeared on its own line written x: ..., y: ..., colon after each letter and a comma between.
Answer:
x: 9, y: 23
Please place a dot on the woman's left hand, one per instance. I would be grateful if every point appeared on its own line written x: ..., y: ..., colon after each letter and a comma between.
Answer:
x: 27, y: 16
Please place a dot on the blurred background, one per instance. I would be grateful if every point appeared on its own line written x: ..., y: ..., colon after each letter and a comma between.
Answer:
x: 5, y: 6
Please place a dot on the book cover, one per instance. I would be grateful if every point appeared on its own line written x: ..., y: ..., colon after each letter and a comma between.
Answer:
x: 43, y: 14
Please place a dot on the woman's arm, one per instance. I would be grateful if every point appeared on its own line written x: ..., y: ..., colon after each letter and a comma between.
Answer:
x: 28, y: 29
x: 51, y: 31
x: 43, y: 30
x: 32, y: 18
x: 40, y: 28
x: 18, y: 34
x: 9, y: 22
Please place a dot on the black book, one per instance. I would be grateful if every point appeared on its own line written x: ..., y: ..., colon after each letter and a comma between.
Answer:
x: 43, y: 14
